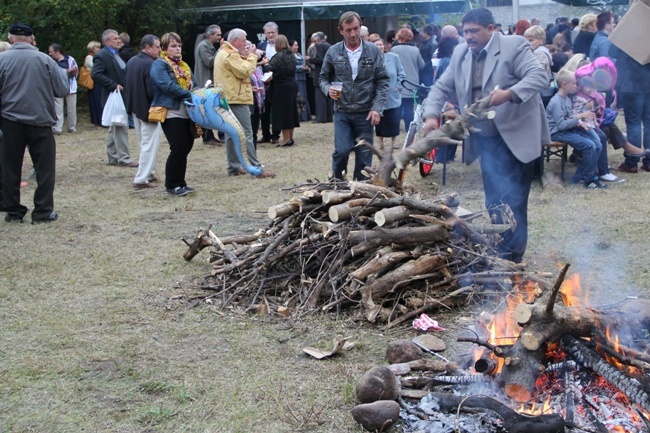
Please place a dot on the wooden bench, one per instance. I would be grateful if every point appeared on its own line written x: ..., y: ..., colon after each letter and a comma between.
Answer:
x: 555, y: 148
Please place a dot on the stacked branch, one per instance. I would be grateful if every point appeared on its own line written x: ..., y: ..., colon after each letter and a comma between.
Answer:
x: 342, y: 244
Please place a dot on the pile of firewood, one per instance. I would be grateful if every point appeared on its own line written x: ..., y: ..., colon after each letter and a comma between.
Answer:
x: 339, y: 244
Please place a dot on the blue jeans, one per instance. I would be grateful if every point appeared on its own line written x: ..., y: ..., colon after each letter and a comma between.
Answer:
x: 589, y: 144
x: 506, y: 180
x: 347, y: 128
x: 603, y: 163
x: 408, y: 111
x: 637, y: 122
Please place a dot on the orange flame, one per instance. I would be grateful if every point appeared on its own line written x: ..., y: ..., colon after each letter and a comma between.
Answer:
x: 536, y: 408
x: 572, y: 293
x: 502, y: 327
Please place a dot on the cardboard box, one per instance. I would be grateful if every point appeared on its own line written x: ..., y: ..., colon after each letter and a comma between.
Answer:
x: 632, y: 32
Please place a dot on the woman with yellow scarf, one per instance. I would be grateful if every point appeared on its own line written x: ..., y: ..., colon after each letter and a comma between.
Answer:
x: 172, y: 81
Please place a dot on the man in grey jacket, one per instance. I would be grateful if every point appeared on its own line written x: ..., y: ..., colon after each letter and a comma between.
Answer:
x: 29, y: 82
x: 358, y: 107
x: 504, y: 69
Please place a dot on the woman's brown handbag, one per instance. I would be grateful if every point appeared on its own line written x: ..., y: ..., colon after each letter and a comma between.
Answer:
x: 157, y: 114
x: 85, y: 79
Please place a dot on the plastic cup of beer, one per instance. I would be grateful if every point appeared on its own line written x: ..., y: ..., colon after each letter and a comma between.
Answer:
x: 337, y: 86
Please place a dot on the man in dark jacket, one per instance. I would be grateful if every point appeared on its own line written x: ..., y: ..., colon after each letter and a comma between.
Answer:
x: 322, y: 105
x: 359, y: 66
x: 108, y: 73
x: 125, y: 52
x: 268, y: 46
x: 429, y: 46
x: 633, y: 86
x: 139, y: 94
x: 29, y: 82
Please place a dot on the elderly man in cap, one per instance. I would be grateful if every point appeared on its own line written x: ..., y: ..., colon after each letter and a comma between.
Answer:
x: 29, y: 82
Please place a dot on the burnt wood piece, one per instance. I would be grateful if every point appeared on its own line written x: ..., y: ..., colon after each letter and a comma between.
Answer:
x: 569, y: 393
x: 513, y: 422
x: 556, y: 289
x: 459, y: 380
x: 590, y: 359
x: 626, y: 355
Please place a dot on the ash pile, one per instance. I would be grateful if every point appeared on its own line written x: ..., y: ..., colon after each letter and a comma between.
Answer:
x: 354, y: 245
x: 545, y: 363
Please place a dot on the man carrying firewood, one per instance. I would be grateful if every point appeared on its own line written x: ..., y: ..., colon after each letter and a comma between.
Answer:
x: 505, y: 69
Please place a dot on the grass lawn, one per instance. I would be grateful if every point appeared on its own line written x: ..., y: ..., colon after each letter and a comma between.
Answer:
x: 95, y: 334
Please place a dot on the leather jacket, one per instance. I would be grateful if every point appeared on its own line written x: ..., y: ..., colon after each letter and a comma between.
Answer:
x: 369, y: 90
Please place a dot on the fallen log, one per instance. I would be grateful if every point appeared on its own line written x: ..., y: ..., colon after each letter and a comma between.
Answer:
x: 370, y: 191
x: 282, y: 210
x: 387, y: 283
x: 383, y: 262
x: 345, y: 211
x: 401, y: 235
x: 335, y: 197
x: 391, y: 215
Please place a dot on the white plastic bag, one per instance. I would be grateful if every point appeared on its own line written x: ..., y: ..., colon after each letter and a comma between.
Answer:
x: 114, y: 111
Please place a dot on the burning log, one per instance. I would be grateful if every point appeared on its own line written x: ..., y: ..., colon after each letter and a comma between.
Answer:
x: 513, y: 422
x: 540, y: 328
x: 590, y: 359
x: 521, y: 370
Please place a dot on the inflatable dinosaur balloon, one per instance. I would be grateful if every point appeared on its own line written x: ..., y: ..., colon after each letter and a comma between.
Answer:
x: 209, y: 109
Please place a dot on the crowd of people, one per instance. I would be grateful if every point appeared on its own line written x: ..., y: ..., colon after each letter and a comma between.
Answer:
x: 544, y: 83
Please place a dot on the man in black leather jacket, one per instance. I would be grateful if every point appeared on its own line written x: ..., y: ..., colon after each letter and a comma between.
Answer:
x: 360, y: 67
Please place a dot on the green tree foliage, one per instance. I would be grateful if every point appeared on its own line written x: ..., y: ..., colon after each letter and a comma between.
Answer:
x: 75, y: 23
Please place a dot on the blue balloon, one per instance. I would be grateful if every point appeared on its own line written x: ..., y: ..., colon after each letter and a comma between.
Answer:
x: 209, y: 109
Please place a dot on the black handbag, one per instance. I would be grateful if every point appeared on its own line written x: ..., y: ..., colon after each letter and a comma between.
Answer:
x: 300, y: 102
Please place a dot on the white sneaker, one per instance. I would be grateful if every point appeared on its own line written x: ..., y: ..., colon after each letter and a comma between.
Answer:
x: 611, y: 177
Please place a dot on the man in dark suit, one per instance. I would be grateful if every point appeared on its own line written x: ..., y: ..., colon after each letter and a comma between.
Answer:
x: 139, y: 94
x: 322, y: 105
x: 108, y: 73
x: 268, y: 46
x: 505, y: 69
